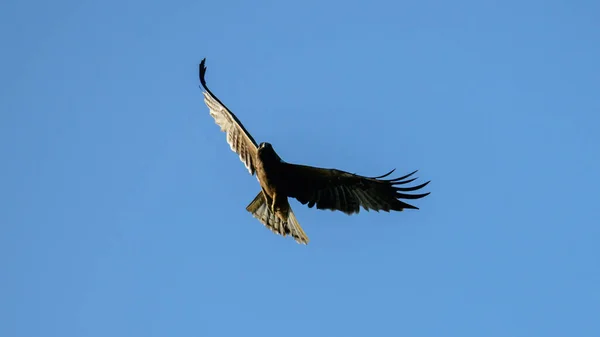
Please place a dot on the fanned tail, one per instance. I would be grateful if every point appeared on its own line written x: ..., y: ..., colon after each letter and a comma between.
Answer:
x: 295, y: 228
x: 260, y: 209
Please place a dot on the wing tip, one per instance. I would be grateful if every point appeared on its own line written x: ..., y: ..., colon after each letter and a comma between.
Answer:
x: 384, y: 175
x: 202, y: 72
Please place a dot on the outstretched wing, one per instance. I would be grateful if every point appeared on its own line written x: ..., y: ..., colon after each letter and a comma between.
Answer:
x: 240, y: 141
x: 342, y: 191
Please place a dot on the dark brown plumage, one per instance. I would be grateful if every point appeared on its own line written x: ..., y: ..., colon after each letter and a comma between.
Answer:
x: 316, y: 187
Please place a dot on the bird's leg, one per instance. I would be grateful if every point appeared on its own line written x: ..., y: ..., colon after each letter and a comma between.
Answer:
x: 280, y: 206
x: 269, y: 200
x: 273, y: 204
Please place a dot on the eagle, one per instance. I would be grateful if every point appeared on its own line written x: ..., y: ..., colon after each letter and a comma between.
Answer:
x: 325, y: 189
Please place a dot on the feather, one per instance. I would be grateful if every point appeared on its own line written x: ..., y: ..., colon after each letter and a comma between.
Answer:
x: 339, y: 190
x: 239, y: 139
x: 260, y: 210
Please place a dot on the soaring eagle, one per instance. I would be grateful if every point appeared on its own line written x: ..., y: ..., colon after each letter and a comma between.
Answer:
x: 324, y: 188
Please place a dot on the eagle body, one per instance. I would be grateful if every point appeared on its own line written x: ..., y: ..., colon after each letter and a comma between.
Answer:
x: 322, y: 188
x: 270, y: 174
x: 268, y: 168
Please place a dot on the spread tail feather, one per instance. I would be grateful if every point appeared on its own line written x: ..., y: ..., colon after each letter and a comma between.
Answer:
x: 260, y: 209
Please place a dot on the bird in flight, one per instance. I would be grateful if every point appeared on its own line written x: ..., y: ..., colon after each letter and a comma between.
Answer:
x: 324, y: 188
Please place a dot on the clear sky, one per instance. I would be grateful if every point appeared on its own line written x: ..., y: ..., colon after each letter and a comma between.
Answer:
x: 123, y: 209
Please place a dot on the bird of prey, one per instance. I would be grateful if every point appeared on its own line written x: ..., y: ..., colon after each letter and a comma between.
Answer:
x: 324, y: 188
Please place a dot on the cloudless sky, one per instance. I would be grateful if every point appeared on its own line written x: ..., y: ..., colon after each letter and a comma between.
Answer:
x: 123, y: 209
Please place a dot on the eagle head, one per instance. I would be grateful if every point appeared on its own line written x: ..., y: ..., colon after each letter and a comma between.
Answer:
x: 267, y: 153
x: 264, y: 145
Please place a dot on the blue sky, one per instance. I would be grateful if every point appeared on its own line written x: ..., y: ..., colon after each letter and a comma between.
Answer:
x: 123, y: 209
